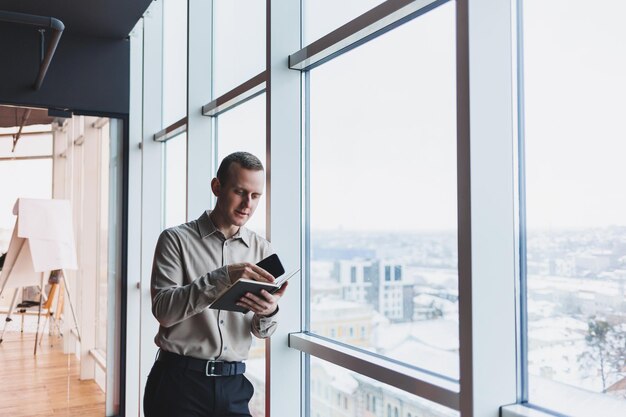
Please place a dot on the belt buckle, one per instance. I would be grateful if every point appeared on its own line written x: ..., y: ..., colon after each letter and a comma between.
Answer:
x: 210, y: 368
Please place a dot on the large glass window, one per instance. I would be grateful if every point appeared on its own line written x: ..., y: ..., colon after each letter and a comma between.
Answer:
x: 174, y: 61
x: 383, y: 222
x: 175, y: 190
x: 576, y: 208
x: 239, y: 43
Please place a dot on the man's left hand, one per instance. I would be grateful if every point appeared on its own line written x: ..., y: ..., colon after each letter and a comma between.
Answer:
x: 265, y: 305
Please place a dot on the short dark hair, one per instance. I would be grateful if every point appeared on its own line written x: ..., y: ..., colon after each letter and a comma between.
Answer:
x: 244, y: 159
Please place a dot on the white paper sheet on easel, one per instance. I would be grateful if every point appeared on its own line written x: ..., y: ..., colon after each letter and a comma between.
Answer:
x: 44, y: 219
x: 49, y: 255
x: 47, y: 224
x: 18, y: 268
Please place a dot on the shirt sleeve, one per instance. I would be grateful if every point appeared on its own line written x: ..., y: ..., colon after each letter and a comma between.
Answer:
x: 173, y: 302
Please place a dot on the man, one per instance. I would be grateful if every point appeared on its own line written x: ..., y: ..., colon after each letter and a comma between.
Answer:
x: 199, y: 369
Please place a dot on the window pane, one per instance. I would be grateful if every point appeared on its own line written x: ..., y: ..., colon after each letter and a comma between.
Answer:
x: 174, y: 61
x: 243, y: 129
x: 576, y: 207
x: 335, y: 391
x: 383, y: 195
x: 324, y: 16
x: 175, y: 195
x: 239, y: 43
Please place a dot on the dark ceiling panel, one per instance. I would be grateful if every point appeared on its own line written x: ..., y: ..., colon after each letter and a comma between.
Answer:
x: 90, y: 68
x: 98, y: 18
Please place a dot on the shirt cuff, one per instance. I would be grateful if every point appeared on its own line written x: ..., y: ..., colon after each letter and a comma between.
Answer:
x: 265, y: 326
x: 271, y: 315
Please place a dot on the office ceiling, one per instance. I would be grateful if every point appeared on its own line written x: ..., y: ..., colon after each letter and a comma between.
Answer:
x: 98, y: 18
x: 86, y: 22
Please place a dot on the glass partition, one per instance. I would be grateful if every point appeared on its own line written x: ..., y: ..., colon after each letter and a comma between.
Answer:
x: 76, y: 335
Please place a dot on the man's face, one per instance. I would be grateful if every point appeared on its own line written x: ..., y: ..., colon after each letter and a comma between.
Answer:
x: 238, y: 198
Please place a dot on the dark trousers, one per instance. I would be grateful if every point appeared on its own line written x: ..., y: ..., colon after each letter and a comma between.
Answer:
x: 173, y: 391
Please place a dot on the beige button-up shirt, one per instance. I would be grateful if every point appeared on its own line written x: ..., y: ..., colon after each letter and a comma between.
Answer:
x: 189, y: 271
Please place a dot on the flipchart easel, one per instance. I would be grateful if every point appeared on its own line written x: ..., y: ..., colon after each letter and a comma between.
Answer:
x: 42, y: 241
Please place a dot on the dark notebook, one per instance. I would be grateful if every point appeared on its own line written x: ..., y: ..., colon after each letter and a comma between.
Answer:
x: 227, y: 300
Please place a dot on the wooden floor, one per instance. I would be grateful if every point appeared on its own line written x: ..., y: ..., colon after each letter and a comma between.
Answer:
x: 45, y: 385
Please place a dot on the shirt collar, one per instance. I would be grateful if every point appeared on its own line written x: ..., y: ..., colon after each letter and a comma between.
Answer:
x: 244, y: 235
x: 207, y: 228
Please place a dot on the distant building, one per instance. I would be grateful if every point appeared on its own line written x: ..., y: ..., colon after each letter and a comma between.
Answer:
x: 563, y: 267
x: 358, y: 280
x: 593, y: 263
x: 381, y: 284
x: 429, y: 307
x: 324, y: 288
x: 333, y: 391
x: 346, y: 321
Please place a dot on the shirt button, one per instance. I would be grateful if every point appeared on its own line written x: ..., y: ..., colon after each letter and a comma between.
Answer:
x: 225, y: 348
x: 221, y: 321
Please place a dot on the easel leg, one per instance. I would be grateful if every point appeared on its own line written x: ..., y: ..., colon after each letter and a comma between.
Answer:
x: 56, y: 318
x: 69, y: 299
x: 9, y: 313
x: 39, y: 313
x: 48, y: 307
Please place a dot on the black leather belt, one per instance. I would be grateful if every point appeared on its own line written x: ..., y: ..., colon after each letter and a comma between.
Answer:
x: 209, y: 368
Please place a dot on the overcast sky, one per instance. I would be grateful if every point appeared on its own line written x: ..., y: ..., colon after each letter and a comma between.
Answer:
x: 383, y: 116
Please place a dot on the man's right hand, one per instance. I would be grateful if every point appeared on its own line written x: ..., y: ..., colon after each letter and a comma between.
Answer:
x: 249, y: 271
